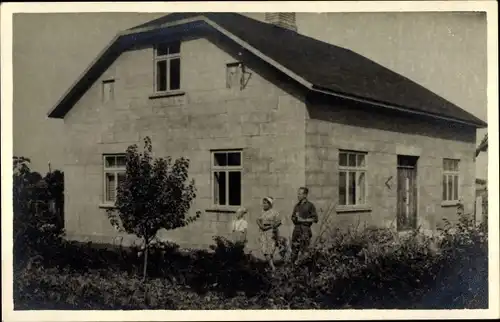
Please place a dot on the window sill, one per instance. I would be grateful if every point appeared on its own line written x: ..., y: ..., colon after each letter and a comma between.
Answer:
x: 166, y: 94
x: 107, y: 206
x: 222, y: 209
x: 449, y: 203
x: 344, y: 209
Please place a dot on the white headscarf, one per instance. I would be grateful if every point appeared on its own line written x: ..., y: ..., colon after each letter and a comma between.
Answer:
x: 270, y: 200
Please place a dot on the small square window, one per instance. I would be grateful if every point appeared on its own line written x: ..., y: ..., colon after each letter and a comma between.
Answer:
x: 108, y: 90
x: 233, y: 75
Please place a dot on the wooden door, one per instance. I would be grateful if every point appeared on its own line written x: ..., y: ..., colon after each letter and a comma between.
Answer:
x: 407, y: 196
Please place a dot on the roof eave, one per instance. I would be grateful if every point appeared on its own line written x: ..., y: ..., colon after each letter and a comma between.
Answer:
x: 318, y: 89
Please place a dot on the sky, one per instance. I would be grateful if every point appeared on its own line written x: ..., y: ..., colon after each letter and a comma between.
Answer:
x: 445, y: 52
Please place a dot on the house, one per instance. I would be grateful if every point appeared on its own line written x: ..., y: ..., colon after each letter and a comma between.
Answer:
x: 262, y: 110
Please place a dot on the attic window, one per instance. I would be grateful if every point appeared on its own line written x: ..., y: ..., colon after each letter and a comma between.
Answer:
x: 233, y: 75
x: 108, y: 90
x: 167, y: 67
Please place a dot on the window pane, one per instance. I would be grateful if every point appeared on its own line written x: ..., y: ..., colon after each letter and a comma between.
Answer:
x: 110, y: 161
x: 455, y: 188
x: 352, y: 160
x: 220, y: 159
x: 234, y: 188
x: 455, y: 165
x: 361, y: 160
x: 342, y: 188
x: 234, y: 159
x: 110, y: 187
x: 175, y: 74
x: 121, y: 161
x: 162, y: 50
x: 174, y: 48
x: 450, y: 187
x: 343, y: 159
x: 445, y: 165
x: 361, y: 189
x: 444, y: 187
x: 161, y: 76
x: 220, y: 188
x: 352, y: 188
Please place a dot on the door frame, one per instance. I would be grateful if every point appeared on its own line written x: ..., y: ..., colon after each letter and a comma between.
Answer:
x: 408, y: 162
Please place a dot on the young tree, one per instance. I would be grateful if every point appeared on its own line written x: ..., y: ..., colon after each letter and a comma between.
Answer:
x: 152, y: 195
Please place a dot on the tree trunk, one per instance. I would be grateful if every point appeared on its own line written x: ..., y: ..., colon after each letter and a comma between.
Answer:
x: 146, y: 251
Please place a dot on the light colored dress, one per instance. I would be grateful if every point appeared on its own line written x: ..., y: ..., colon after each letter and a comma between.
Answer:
x: 268, y: 238
x: 238, y: 228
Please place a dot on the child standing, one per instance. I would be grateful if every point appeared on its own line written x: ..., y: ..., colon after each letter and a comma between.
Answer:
x: 239, y: 227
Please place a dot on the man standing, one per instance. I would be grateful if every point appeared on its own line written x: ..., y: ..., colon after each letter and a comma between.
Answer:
x: 304, y: 215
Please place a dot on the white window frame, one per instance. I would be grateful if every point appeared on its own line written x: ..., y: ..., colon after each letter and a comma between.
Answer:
x: 115, y: 170
x: 167, y: 58
x: 451, y: 173
x: 357, y: 170
x: 215, y: 168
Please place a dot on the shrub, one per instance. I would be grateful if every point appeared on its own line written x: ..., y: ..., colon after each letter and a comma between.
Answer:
x: 371, y: 268
x: 375, y: 268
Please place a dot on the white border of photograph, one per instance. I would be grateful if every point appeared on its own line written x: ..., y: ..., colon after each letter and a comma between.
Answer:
x: 7, y: 11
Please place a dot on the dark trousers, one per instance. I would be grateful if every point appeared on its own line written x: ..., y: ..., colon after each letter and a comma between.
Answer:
x: 301, y: 238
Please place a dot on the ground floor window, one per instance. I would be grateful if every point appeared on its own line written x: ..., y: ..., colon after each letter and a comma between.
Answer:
x: 226, y: 178
x: 352, y: 178
x: 451, y: 176
x: 114, y: 173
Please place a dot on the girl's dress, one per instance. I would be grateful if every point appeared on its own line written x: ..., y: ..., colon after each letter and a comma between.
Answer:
x: 239, y: 226
x: 268, y: 238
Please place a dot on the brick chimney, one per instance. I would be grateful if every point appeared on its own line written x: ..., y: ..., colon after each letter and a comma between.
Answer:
x: 282, y: 19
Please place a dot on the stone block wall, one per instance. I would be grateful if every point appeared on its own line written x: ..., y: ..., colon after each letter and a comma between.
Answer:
x: 266, y: 121
x: 331, y: 127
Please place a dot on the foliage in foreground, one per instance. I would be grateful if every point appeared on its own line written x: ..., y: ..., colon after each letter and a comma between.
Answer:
x: 36, y: 226
x: 369, y: 269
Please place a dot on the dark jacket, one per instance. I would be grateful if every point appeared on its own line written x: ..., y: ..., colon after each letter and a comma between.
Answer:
x: 304, y: 209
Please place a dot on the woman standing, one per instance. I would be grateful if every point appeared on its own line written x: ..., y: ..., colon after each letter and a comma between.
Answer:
x: 268, y: 224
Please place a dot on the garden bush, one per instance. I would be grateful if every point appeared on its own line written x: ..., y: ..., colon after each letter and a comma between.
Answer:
x: 367, y: 269
x: 36, y: 225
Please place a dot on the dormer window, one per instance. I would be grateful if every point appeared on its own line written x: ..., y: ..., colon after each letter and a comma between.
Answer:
x: 168, y: 67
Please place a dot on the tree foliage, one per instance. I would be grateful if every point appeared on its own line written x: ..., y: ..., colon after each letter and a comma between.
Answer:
x: 154, y: 194
x: 35, y: 224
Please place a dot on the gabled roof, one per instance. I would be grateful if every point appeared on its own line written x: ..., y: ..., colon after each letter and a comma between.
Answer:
x: 319, y: 66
